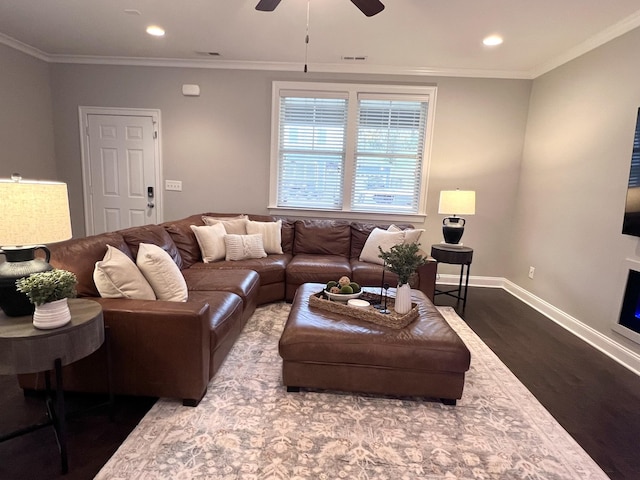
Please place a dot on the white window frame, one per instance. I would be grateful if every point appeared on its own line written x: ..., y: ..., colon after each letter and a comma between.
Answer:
x: 352, y: 90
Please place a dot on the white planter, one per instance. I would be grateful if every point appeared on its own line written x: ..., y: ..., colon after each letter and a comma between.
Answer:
x: 52, y: 315
x: 403, y: 299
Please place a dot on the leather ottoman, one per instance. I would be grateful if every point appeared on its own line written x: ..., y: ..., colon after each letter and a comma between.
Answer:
x: 325, y: 350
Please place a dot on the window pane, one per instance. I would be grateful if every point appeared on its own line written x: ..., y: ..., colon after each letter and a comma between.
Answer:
x: 311, y: 152
x: 389, y: 154
x: 310, y: 181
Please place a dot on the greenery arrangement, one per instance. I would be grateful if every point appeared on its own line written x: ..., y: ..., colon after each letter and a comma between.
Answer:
x: 403, y: 260
x: 45, y: 287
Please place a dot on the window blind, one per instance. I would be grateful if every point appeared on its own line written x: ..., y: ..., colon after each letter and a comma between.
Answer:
x: 389, y: 154
x: 311, y: 151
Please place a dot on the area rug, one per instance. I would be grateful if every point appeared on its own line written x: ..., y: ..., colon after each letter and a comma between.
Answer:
x: 249, y: 427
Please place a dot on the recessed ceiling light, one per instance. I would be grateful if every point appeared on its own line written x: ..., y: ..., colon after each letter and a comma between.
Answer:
x: 155, y: 30
x: 492, y: 40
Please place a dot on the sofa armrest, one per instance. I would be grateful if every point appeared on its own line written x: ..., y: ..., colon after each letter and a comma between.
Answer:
x: 427, y: 274
x: 169, y: 342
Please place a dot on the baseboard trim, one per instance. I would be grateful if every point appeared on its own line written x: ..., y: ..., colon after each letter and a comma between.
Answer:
x: 489, y: 282
x: 596, y: 339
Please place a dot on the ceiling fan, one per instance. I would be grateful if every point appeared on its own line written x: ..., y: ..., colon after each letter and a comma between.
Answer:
x: 368, y: 7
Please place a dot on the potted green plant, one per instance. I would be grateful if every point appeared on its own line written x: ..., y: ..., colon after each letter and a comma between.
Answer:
x: 403, y: 260
x: 49, y: 292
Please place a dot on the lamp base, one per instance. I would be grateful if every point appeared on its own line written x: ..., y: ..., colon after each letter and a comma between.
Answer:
x: 452, y: 229
x: 20, y: 262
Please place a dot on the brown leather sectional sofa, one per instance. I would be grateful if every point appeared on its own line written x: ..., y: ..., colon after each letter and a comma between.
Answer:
x: 172, y: 349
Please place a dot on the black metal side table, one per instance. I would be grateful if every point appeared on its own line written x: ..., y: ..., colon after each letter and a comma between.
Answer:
x: 454, y: 255
x: 25, y: 349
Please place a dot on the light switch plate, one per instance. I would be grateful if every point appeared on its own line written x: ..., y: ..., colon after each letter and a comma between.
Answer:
x: 175, y: 185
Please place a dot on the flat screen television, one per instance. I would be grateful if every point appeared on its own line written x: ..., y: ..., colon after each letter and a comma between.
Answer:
x: 631, y: 223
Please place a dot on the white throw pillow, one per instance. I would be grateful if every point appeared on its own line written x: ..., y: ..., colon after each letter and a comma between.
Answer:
x: 162, y: 273
x: 236, y: 226
x: 116, y: 276
x: 242, y: 247
x: 380, y: 238
x: 411, y: 235
x: 271, y: 234
x: 211, y: 241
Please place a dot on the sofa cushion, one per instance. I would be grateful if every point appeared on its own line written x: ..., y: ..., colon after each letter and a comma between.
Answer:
x: 162, y: 273
x: 244, y: 283
x: 287, y: 233
x: 271, y: 234
x: 185, y: 239
x: 322, y: 237
x: 242, y: 247
x: 211, y: 241
x: 153, y: 234
x: 270, y: 268
x: 79, y: 256
x: 305, y: 268
x: 116, y: 276
x: 383, y: 239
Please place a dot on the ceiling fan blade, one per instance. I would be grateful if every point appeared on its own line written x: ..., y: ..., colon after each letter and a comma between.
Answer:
x: 267, y: 5
x: 369, y: 7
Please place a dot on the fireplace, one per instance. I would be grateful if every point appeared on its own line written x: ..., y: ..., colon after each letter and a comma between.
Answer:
x: 629, y: 322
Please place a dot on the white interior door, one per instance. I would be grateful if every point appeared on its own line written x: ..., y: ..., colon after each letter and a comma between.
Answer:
x: 121, y: 172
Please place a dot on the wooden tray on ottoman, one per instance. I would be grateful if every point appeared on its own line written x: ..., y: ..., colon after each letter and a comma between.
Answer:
x: 368, y: 314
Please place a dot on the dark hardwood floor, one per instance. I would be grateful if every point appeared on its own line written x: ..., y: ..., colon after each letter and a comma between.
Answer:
x: 594, y: 398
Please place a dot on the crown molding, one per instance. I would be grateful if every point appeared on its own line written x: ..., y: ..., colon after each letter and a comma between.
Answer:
x: 611, y: 33
x: 287, y: 66
x: 23, y: 47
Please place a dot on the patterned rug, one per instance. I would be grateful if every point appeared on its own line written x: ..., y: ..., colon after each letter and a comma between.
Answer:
x: 248, y: 427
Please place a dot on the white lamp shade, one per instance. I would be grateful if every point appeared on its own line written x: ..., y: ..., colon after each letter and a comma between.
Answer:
x: 33, y: 213
x: 457, y: 202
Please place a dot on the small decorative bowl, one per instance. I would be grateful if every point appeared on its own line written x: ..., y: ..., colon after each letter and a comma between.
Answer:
x: 356, y: 302
x: 342, y: 297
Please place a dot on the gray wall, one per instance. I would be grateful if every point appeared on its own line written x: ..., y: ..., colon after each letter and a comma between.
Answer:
x: 218, y: 144
x: 26, y: 135
x: 573, y: 184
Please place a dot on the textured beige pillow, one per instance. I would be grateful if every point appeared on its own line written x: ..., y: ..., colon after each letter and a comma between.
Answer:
x: 210, y: 218
x: 242, y: 247
x: 271, y: 234
x: 380, y: 238
x: 211, y: 241
x: 411, y: 235
x: 162, y: 273
x: 236, y: 226
x: 116, y: 276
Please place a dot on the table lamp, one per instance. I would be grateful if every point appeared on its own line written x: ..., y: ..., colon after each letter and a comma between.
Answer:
x: 32, y: 213
x: 454, y: 203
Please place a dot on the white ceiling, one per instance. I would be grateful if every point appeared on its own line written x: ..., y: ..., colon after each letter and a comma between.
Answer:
x: 408, y: 37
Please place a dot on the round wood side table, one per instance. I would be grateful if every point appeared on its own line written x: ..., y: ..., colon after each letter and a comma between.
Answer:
x: 26, y: 349
x: 454, y: 255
